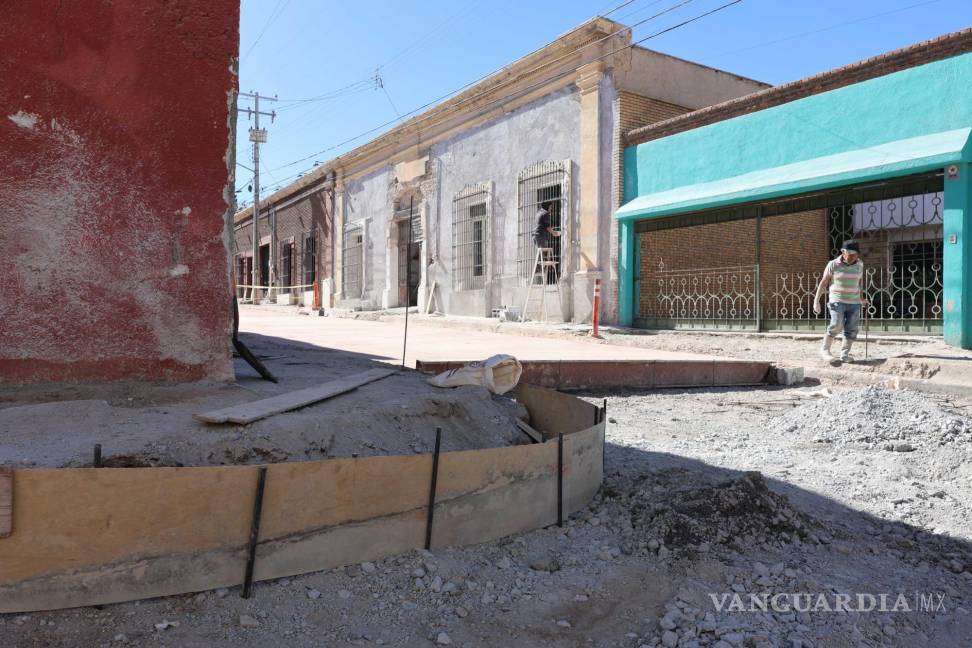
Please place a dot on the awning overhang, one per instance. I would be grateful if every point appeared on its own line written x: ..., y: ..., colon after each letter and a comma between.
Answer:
x: 892, y: 159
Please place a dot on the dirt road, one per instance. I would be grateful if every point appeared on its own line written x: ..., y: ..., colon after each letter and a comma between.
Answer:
x: 856, y: 532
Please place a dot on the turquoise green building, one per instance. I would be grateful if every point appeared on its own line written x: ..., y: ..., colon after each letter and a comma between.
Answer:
x: 730, y: 212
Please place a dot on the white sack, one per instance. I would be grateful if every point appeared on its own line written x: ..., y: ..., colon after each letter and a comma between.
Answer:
x: 499, y: 374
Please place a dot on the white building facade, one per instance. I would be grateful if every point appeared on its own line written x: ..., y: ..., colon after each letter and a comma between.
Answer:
x: 441, y: 210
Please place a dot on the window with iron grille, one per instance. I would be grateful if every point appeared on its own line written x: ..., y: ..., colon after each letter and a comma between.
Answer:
x: 470, y: 237
x: 286, y: 266
x: 543, y: 185
x: 310, y: 258
x: 351, y: 261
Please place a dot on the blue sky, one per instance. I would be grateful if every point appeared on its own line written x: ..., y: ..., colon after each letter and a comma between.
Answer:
x: 330, y: 51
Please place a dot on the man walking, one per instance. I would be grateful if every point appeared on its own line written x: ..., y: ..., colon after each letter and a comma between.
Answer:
x: 843, y: 277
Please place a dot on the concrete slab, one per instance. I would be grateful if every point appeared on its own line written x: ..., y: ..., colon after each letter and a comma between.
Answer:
x: 631, y: 374
x: 382, y: 341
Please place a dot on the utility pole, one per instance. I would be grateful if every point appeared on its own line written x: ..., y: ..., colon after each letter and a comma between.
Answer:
x: 258, y: 136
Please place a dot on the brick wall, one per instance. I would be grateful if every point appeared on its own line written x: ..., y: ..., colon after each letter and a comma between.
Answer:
x: 631, y: 110
x: 635, y: 111
x: 295, y: 222
x: 792, y: 243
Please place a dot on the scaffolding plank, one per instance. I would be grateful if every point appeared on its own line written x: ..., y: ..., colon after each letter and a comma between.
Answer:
x: 260, y: 409
x: 6, y: 502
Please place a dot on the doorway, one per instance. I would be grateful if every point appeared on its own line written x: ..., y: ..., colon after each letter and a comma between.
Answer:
x: 409, y: 265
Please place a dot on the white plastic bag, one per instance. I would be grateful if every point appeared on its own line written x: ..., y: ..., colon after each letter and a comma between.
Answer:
x: 499, y: 374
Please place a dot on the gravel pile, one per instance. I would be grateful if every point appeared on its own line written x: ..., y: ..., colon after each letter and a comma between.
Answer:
x: 661, y: 515
x: 900, y: 421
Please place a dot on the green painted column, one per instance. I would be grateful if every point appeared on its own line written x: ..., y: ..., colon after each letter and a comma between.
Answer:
x: 626, y: 272
x: 957, y: 257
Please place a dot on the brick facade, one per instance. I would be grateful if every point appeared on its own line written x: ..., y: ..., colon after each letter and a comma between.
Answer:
x: 635, y: 111
x: 303, y: 252
x: 631, y: 110
x: 792, y: 243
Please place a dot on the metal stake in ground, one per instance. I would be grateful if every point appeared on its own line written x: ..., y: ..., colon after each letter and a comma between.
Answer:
x: 408, y: 273
x: 97, y: 456
x: 866, y: 308
x: 435, y: 479
x: 254, y: 532
x: 560, y: 479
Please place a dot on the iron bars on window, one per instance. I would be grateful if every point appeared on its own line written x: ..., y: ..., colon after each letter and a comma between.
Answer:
x: 471, y: 209
x: 351, y: 262
x: 543, y: 185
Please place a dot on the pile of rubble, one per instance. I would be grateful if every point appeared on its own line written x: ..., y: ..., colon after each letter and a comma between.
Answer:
x: 874, y: 417
x: 689, y: 519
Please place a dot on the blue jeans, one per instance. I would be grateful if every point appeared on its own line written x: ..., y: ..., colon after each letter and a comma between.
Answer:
x: 844, y: 317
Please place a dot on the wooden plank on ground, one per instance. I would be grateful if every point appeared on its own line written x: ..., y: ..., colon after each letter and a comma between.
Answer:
x: 256, y: 410
x: 6, y: 502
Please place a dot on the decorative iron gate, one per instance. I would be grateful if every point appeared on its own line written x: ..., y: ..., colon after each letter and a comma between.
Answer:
x: 898, y: 225
x: 708, y: 297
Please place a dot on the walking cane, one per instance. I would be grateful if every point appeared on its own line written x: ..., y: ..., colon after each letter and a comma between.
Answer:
x: 866, y: 329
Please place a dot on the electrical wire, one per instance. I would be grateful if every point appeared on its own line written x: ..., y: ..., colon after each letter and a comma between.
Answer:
x: 824, y: 29
x: 638, y: 11
x: 603, y: 14
x: 503, y: 84
x: 331, y: 94
x: 276, y: 13
x: 385, y: 90
x: 465, y: 11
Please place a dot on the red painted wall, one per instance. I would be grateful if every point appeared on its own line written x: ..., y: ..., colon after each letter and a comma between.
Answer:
x: 114, y: 137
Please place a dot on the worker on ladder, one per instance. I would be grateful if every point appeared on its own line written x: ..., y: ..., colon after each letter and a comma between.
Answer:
x: 544, y: 237
x: 545, y: 265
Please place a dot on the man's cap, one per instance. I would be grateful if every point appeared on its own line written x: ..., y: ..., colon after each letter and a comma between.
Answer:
x: 851, y: 246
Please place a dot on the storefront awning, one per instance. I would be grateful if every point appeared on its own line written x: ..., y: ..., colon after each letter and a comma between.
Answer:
x: 901, y: 157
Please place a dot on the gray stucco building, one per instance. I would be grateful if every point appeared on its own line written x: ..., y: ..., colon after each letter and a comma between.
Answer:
x: 442, y: 209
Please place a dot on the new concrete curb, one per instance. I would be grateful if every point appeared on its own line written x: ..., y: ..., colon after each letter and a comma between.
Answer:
x: 889, y: 381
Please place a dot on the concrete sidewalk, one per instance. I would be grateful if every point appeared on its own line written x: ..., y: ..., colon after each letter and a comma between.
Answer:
x: 912, y: 362
x: 384, y: 340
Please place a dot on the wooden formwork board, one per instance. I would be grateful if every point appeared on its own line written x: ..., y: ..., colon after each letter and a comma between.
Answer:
x: 90, y: 536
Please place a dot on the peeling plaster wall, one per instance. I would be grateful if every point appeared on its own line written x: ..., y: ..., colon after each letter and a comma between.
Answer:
x: 115, y: 137
x: 368, y: 203
x: 544, y: 130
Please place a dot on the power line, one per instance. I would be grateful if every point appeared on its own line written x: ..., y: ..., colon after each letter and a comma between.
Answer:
x: 331, y: 94
x: 277, y: 11
x: 502, y: 84
x: 373, y: 81
x: 533, y: 86
x: 637, y: 11
x: 381, y: 84
x: 823, y: 29
x: 620, y: 6
x: 468, y: 9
